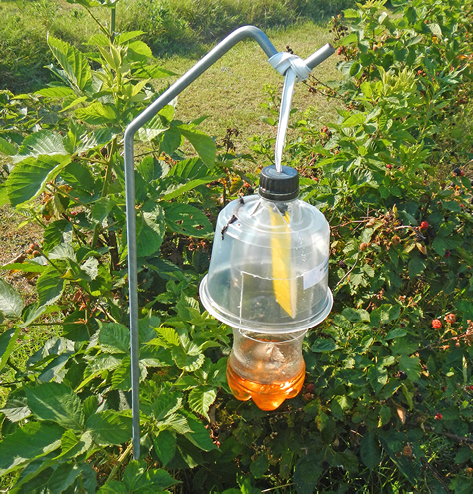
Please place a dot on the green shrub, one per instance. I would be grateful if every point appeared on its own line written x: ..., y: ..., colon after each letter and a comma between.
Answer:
x: 387, y: 404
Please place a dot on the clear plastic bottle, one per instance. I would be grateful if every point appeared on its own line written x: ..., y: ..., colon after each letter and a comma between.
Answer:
x: 266, y: 368
x: 268, y: 280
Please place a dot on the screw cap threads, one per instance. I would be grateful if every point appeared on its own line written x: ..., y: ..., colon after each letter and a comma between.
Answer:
x: 279, y: 186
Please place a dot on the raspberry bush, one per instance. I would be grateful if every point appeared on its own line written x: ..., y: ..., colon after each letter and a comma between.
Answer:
x: 388, y: 400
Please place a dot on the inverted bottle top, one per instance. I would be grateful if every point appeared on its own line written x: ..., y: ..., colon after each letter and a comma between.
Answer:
x: 279, y: 186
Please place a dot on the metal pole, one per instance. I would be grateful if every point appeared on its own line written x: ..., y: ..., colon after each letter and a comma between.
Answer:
x: 172, y: 92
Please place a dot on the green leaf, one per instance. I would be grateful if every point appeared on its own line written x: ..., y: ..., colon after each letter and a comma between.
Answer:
x: 28, y: 442
x: 411, y: 366
x: 64, y: 476
x: 396, y: 333
x: 354, y: 120
x: 73, y: 446
x: 29, y: 178
x: 201, y: 398
x: 260, y: 465
x: 365, y: 87
x: 463, y: 455
x: 416, y: 266
x: 356, y: 315
x: 169, y: 335
x: 103, y: 362
x: 44, y: 142
x: 152, y: 71
x: 25, y: 267
x: 96, y: 113
x: 121, y: 378
x: 190, y: 185
x: 185, y: 360
x: 165, y: 445
x: 3, y: 195
x: 203, y: 144
x: 55, y: 92
x: 114, y: 338
x: 72, y: 61
x: 307, y: 473
x: 369, y: 451
x: 141, y: 480
x: 56, y: 402
x: 151, y: 169
x: 384, y: 314
x: 113, y: 487
x: 6, y: 147
x: 109, y: 428
x: 63, y: 252
x: 435, y: 29
x: 11, y: 303
x: 16, y: 408
x: 166, y: 404
x: 188, y: 220
x: 127, y: 36
x: 150, y: 229
x: 324, y: 345
x: 7, y: 345
x: 91, y: 268
x: 50, y: 287
x: 198, y: 435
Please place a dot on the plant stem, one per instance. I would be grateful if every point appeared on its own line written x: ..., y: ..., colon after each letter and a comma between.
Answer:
x: 119, y: 462
x: 351, y: 269
x: 112, y: 23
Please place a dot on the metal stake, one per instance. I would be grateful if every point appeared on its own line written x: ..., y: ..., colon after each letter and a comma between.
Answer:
x: 172, y: 92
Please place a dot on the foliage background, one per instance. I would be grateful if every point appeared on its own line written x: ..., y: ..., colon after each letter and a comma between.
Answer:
x: 387, y: 404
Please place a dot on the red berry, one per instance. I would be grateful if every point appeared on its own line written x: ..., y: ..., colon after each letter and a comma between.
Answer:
x: 438, y: 416
x: 436, y: 323
x: 310, y: 388
x: 389, y: 166
x: 471, y: 387
x: 447, y: 253
x: 444, y: 389
x: 450, y: 318
x: 424, y: 225
x: 339, y: 51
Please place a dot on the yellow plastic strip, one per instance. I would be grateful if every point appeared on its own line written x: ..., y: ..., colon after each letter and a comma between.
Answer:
x: 284, y: 287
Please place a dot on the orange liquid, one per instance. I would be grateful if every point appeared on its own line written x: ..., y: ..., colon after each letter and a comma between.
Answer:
x: 267, y: 396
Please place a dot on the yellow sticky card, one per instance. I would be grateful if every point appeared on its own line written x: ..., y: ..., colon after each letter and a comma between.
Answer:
x: 284, y: 287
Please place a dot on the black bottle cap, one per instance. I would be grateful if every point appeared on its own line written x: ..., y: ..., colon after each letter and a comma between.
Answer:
x: 275, y: 185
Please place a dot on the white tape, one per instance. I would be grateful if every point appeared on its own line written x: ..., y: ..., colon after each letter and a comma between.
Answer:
x: 315, y: 275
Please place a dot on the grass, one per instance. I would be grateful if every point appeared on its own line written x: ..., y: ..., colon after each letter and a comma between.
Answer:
x: 232, y: 90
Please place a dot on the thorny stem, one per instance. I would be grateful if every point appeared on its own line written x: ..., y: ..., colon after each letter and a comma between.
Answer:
x: 438, y: 342
x: 351, y: 269
x: 119, y: 462
x: 102, y: 28
x: 274, y: 488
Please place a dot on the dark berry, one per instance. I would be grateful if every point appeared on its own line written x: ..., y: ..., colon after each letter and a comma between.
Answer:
x: 419, y: 398
x: 342, y: 264
x: 310, y: 388
x: 457, y: 171
x: 462, y: 192
x: 402, y: 375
